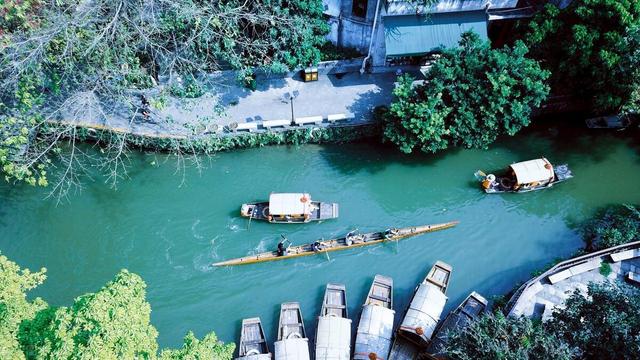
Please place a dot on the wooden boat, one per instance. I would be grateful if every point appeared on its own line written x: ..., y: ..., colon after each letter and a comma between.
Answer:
x: 350, y: 240
x: 422, y: 316
x: 253, y: 343
x: 290, y: 208
x: 468, y: 311
x: 525, y: 176
x: 292, y: 343
x: 375, y: 329
x: 609, y: 122
x: 333, y: 338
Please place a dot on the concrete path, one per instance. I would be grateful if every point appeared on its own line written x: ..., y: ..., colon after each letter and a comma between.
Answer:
x: 226, y: 102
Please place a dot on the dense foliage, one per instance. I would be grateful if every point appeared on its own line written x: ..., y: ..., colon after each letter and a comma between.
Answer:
x: 494, y: 336
x: 113, y: 323
x: 589, y: 48
x: 611, y: 226
x: 69, y: 59
x: 605, y: 324
x: 471, y: 95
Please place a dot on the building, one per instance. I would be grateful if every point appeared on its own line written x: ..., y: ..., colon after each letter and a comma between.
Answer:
x: 406, y: 30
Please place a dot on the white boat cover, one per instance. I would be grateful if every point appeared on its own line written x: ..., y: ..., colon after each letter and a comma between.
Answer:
x: 425, y: 310
x: 333, y: 340
x: 532, y: 171
x: 374, y: 332
x: 292, y: 349
x: 289, y: 204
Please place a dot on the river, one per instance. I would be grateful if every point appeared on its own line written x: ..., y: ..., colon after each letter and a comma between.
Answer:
x: 169, y: 231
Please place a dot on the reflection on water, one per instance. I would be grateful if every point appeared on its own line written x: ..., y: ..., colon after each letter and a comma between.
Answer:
x: 169, y: 234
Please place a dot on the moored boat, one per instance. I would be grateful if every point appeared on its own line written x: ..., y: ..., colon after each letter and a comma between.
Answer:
x: 525, y: 176
x: 468, y: 311
x: 422, y: 316
x: 292, y: 343
x: 350, y: 240
x: 333, y: 338
x: 290, y: 208
x: 253, y: 342
x: 375, y: 329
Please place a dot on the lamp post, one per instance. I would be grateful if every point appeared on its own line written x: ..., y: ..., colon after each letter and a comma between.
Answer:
x: 289, y: 97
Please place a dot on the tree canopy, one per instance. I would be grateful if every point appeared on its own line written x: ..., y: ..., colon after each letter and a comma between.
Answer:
x: 589, y: 50
x: 471, y: 95
x: 612, y: 226
x: 113, y: 323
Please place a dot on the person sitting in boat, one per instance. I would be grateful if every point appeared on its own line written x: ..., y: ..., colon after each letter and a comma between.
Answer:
x: 391, y: 233
x: 316, y: 246
x: 281, y: 249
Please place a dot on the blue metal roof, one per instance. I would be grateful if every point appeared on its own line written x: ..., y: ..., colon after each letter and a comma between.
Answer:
x: 412, y: 35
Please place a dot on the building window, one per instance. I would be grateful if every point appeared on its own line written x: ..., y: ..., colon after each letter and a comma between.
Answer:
x: 359, y: 8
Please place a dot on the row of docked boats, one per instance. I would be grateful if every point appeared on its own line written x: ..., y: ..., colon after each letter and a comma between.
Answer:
x: 420, y: 333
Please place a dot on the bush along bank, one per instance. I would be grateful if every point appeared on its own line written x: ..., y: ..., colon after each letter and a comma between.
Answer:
x: 214, y: 143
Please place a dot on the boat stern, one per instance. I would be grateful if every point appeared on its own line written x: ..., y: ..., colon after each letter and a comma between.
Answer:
x: 248, y: 210
x: 563, y: 172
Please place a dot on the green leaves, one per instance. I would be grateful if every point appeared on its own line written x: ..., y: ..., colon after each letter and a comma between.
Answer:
x: 584, y: 47
x: 113, y: 323
x: 470, y: 96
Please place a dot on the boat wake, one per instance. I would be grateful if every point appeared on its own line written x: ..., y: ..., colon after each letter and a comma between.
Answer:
x: 194, y: 232
x: 202, y: 262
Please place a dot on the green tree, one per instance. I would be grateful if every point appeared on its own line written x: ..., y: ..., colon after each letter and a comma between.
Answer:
x: 584, y: 46
x: 494, y: 336
x: 603, y: 325
x: 193, y: 349
x: 612, y: 226
x: 14, y: 306
x: 471, y: 95
x: 113, y: 323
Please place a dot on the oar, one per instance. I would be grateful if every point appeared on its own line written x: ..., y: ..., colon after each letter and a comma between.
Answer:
x: 479, y: 174
x: 249, y: 224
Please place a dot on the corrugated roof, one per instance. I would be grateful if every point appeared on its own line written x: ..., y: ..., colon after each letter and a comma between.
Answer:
x: 374, y: 332
x: 403, y: 7
x: 425, y: 310
x: 289, y: 204
x: 532, y: 171
x: 292, y: 349
x: 419, y: 35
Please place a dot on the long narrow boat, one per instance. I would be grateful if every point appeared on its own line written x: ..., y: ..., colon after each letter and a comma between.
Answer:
x: 253, y: 342
x: 348, y: 241
x: 292, y: 341
x: 333, y: 338
x: 375, y: 330
x: 422, y: 316
x: 468, y: 311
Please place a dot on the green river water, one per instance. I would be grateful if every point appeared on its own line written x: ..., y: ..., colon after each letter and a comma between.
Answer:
x: 169, y: 232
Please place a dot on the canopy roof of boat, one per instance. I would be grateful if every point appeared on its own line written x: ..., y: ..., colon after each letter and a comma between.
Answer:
x: 533, y: 170
x: 333, y: 339
x: 289, y: 204
x: 425, y: 309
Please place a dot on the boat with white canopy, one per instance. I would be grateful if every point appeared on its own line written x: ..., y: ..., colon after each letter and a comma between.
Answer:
x: 253, y: 342
x: 292, y: 343
x: 333, y: 338
x: 422, y: 316
x: 375, y: 329
x: 525, y: 176
x: 289, y: 208
x: 467, y: 312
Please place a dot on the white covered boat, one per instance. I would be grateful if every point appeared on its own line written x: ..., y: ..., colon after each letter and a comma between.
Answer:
x: 422, y: 316
x: 253, y: 342
x: 290, y: 208
x: 375, y: 329
x: 292, y: 343
x: 333, y: 338
x: 525, y: 176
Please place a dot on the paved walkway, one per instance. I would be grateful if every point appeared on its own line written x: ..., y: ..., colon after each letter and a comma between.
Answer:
x: 542, y: 296
x: 227, y: 102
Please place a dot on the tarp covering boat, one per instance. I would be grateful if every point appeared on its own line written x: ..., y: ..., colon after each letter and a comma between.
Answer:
x: 538, y: 170
x: 333, y: 340
x: 424, y: 311
x: 292, y: 349
x: 289, y: 204
x: 374, y: 332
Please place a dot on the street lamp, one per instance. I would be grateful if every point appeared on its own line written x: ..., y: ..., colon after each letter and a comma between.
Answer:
x: 289, y: 97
